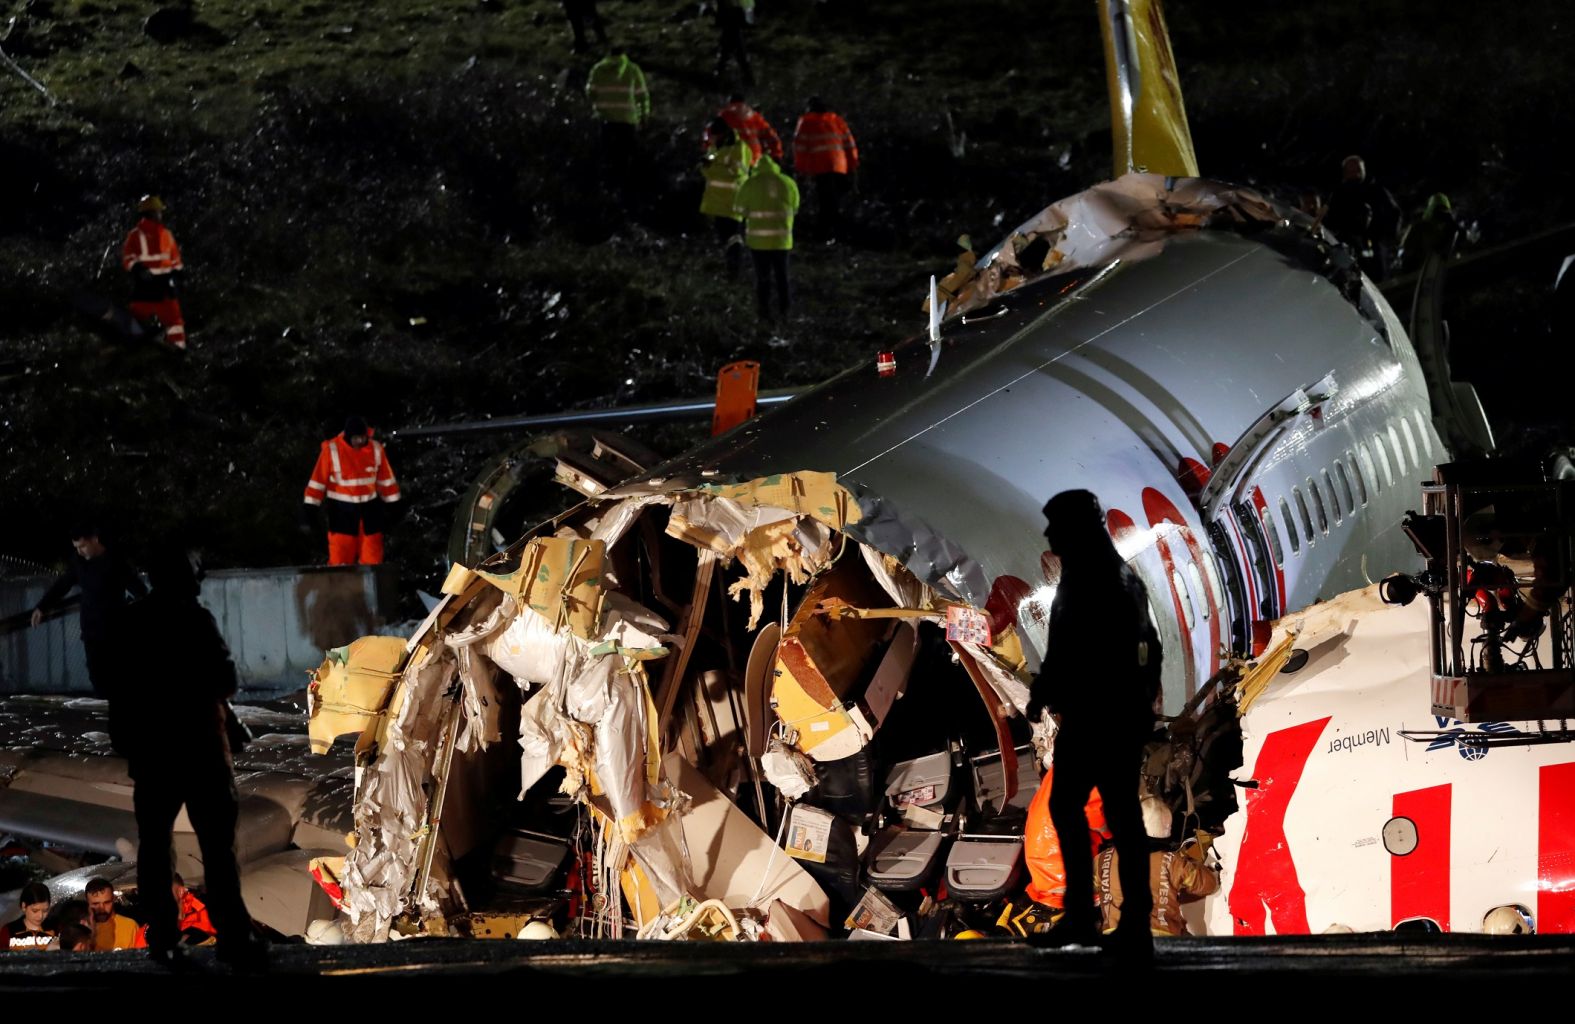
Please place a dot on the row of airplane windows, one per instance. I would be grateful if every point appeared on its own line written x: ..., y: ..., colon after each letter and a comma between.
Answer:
x: 1348, y: 485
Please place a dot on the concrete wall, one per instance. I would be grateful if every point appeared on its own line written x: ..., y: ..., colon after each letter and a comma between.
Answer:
x: 278, y: 623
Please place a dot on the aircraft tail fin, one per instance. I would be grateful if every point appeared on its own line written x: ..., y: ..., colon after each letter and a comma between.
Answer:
x: 1148, y: 119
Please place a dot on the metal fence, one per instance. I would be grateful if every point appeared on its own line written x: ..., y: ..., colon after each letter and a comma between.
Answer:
x: 278, y: 623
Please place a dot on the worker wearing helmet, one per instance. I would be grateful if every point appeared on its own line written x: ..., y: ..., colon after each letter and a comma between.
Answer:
x: 355, y: 485
x: 152, y: 258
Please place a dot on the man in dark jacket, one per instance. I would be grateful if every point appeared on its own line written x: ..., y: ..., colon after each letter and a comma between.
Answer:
x: 105, y: 579
x: 169, y: 716
x: 1364, y: 215
x: 1101, y: 676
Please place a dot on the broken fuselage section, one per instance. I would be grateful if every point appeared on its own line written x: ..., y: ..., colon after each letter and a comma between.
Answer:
x: 883, y: 529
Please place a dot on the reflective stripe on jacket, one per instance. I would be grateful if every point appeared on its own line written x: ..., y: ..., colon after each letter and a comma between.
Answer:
x: 150, y: 245
x: 616, y: 87
x: 346, y: 473
x: 768, y: 201
x: 726, y: 169
x: 754, y: 129
x: 823, y: 144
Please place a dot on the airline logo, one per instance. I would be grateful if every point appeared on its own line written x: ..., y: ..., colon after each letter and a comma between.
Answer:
x: 1460, y: 737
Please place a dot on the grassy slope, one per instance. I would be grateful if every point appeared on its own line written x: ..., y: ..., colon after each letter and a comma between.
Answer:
x: 335, y: 172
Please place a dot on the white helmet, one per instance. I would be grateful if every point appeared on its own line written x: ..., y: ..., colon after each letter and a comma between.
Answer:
x: 538, y: 930
x: 1510, y: 919
x: 1156, y: 817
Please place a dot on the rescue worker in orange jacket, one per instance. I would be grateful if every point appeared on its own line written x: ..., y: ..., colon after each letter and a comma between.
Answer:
x: 825, y: 152
x: 1042, y: 845
x: 152, y: 258
x: 751, y: 126
x: 351, y: 475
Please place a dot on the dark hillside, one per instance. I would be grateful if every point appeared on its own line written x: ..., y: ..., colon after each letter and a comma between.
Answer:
x: 394, y: 208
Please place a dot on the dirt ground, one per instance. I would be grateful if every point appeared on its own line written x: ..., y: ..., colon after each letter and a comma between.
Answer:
x: 395, y: 209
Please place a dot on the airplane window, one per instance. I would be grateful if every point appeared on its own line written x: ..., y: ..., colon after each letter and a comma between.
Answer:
x: 1410, y: 442
x: 1342, y: 476
x: 1213, y: 573
x: 1301, y: 506
x: 1317, y: 501
x: 1290, y: 527
x: 1274, y: 537
x: 1180, y: 587
x: 1421, y: 428
x: 1365, y: 469
x: 1196, y: 579
x: 1383, y: 460
x: 1394, y: 442
x: 1352, y: 469
x: 1334, y: 497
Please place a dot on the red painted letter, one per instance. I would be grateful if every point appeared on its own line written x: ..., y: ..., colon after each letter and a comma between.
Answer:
x: 1265, y: 871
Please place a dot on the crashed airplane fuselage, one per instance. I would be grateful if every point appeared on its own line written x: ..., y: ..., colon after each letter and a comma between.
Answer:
x: 1245, y: 404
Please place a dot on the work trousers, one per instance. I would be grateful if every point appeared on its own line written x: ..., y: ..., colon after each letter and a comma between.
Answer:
x: 168, y: 313
x: 730, y: 233
x: 352, y: 548
x: 830, y: 190
x: 617, y: 157
x: 203, y: 782
x: 582, y: 13
x: 1085, y: 758
x: 771, y: 274
x: 101, y: 659
x: 730, y: 45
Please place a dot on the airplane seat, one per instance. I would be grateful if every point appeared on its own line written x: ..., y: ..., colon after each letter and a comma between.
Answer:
x: 986, y: 861
x: 922, y: 797
x: 847, y: 786
x: 530, y: 862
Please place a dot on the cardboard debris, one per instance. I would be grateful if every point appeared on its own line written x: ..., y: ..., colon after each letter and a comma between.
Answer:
x: 351, y: 688
x: 560, y: 579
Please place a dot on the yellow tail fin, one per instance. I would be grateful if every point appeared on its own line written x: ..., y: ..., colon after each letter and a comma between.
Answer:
x: 1148, y: 120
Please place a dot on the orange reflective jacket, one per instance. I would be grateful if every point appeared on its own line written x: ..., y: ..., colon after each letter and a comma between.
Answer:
x: 151, y: 245
x: 822, y: 144
x: 347, y: 473
x: 754, y: 129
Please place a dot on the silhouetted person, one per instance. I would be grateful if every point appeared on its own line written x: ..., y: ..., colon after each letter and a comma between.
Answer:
x: 1364, y: 215
x: 105, y: 579
x: 731, y: 18
x: 583, y: 13
x: 1101, y: 676
x: 169, y: 715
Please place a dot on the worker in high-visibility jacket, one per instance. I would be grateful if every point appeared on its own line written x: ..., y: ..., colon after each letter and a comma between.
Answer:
x: 752, y: 127
x: 152, y: 258
x: 355, y: 486
x: 621, y: 102
x: 825, y: 152
x: 768, y: 201
x: 725, y: 169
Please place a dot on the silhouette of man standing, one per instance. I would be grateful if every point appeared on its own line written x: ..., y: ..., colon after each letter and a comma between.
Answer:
x: 169, y: 715
x: 1101, y: 676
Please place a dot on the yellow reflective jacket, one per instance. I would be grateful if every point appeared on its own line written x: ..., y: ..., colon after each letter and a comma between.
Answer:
x: 767, y: 202
x: 726, y: 169
x: 616, y: 87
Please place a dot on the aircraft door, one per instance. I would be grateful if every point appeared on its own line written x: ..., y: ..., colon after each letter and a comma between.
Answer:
x: 1225, y: 554
x: 1251, y: 559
